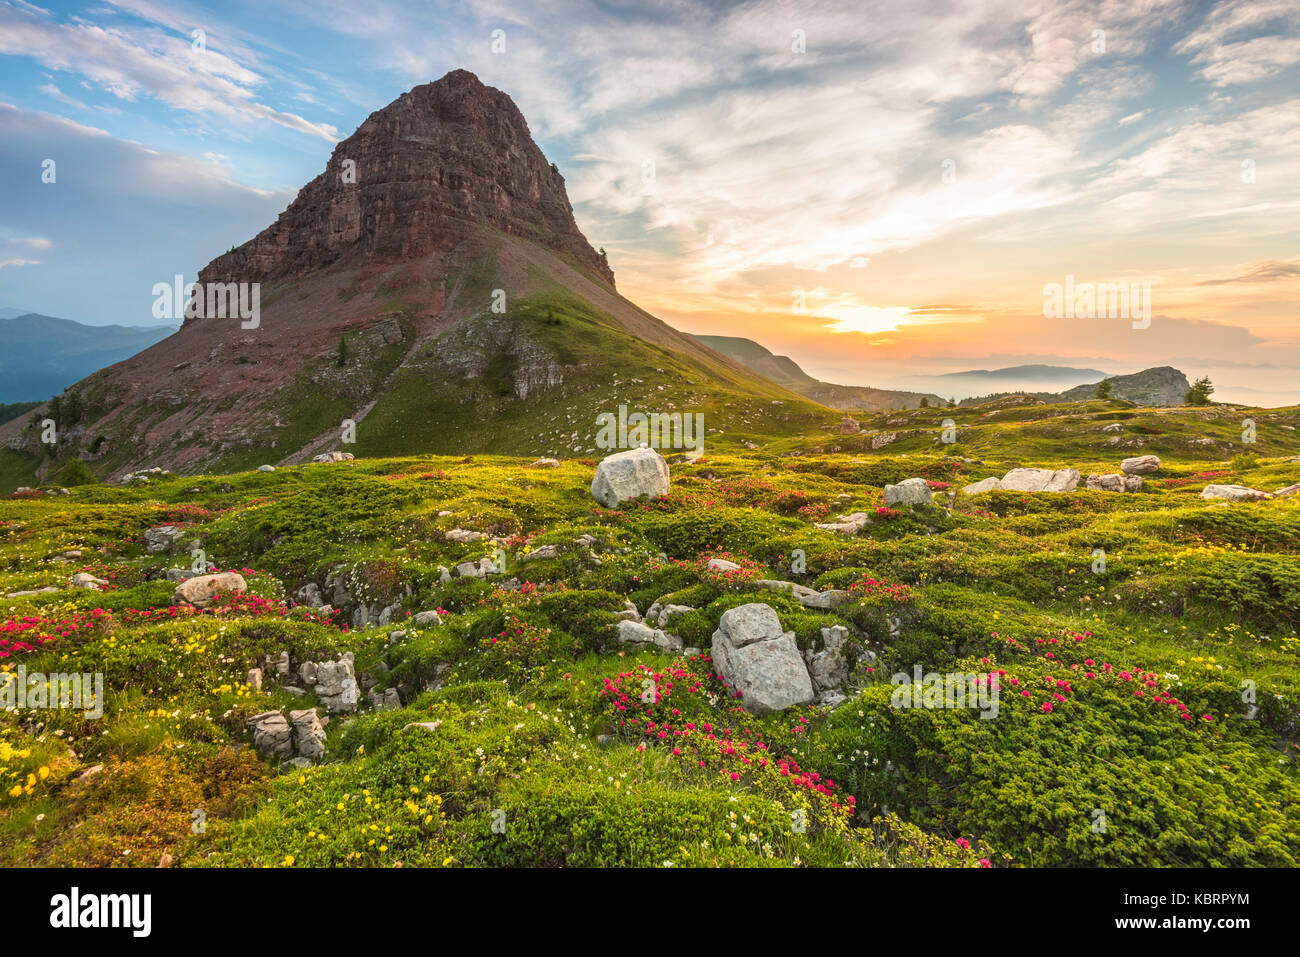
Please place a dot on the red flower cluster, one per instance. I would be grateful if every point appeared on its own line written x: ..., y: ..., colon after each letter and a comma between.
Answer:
x: 29, y: 631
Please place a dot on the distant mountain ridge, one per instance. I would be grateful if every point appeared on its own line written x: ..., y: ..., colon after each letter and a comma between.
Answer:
x: 1159, y: 385
x: 785, y: 371
x: 40, y: 356
x: 1037, y: 371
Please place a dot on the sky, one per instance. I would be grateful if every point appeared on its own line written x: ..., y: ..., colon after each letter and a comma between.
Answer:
x: 883, y: 191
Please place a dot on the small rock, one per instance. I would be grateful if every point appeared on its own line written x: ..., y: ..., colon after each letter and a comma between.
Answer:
x: 202, y: 589
x: 913, y: 491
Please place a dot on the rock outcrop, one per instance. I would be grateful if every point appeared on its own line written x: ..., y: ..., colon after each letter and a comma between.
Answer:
x: 1234, y: 493
x: 202, y: 589
x: 628, y: 475
x: 759, y: 661
x: 913, y: 491
x: 402, y: 186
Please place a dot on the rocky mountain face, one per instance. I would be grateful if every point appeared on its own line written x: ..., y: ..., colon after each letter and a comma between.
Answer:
x: 785, y: 371
x: 408, y: 180
x: 1162, y: 385
x: 430, y: 286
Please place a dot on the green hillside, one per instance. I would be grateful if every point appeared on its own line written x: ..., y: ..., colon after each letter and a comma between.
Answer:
x: 1148, y: 716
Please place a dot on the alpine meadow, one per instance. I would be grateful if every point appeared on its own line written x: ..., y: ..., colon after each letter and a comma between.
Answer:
x: 764, y: 434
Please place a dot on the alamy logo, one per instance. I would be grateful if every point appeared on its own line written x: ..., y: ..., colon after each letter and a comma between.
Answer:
x: 21, y: 690
x: 951, y: 690
x: 102, y: 910
x: 1100, y: 300
x: 213, y: 300
x: 672, y: 430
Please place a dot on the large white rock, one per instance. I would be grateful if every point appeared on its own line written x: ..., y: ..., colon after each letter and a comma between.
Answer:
x: 990, y: 484
x: 1140, y: 465
x: 1041, y: 480
x: 202, y: 589
x: 1234, y: 493
x: 627, y: 475
x: 913, y: 491
x: 759, y: 661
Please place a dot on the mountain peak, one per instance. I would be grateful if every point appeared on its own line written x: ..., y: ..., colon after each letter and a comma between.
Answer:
x: 414, y: 179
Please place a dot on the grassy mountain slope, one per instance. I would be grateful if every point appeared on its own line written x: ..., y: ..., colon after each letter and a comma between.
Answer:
x: 784, y: 370
x: 1122, y: 690
x: 418, y: 347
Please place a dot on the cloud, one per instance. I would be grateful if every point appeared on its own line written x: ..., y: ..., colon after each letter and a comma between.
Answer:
x: 118, y: 217
x: 1231, y: 48
x: 129, y: 62
x: 1261, y: 272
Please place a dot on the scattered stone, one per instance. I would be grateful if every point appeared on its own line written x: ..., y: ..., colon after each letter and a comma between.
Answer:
x: 177, y: 574
x: 266, y: 468
x: 1234, y: 493
x: 913, y: 491
x: 388, y: 700
x: 1140, y: 465
x: 271, y: 735
x: 660, y: 615
x: 1288, y: 491
x: 255, y: 678
x: 308, y: 734
x: 1115, y: 482
x: 336, y: 685
x: 202, y: 589
x: 464, y: 535
x: 422, y: 725
x: 309, y: 594
x: 849, y: 426
x: 545, y: 464
x: 1041, y: 480
x: 847, y: 524
x: 883, y: 439
x: 545, y: 551
x: 722, y: 565
x: 829, y: 667
x: 990, y: 484
x: 628, y: 475
x: 427, y: 619
x: 28, y: 592
x: 162, y: 538
x: 758, y: 661
x: 642, y: 636
x: 824, y: 600
x: 86, y: 580
x: 308, y: 672
x: 334, y: 457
